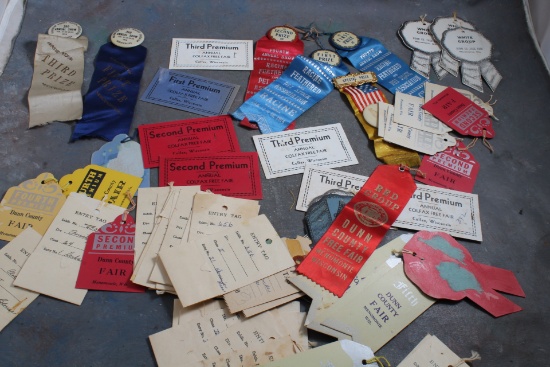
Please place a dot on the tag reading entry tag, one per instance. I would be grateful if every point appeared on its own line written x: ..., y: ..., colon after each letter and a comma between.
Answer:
x: 358, y: 229
x: 444, y: 269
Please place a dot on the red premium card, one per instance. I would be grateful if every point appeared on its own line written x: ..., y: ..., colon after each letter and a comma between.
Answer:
x: 454, y: 168
x: 229, y: 174
x: 358, y: 229
x: 460, y: 114
x: 182, y: 137
x: 108, y: 260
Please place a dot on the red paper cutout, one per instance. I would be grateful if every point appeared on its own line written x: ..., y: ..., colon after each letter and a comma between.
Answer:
x: 358, y: 229
x: 444, y: 269
x: 108, y: 260
x: 460, y: 114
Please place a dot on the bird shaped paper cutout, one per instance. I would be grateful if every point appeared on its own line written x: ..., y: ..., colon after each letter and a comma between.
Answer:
x: 444, y: 269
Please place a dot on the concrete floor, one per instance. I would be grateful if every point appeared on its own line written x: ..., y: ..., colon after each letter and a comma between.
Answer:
x: 111, y: 329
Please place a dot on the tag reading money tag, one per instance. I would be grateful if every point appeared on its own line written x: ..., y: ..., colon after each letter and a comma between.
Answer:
x: 108, y: 259
x: 101, y: 183
x: 454, y: 168
x: 34, y: 203
x: 460, y: 113
x: 358, y: 229
x: 444, y: 269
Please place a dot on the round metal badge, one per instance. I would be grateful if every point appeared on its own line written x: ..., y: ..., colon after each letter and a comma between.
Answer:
x: 344, y: 40
x: 127, y: 37
x: 65, y: 29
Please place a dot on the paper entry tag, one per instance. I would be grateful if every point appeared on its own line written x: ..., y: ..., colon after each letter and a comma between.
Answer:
x: 432, y: 352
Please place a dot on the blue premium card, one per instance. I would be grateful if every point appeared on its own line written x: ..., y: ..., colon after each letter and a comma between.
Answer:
x: 189, y: 92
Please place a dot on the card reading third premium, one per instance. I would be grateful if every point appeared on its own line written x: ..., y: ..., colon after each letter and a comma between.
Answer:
x: 183, y: 137
x: 192, y: 93
x: 229, y: 174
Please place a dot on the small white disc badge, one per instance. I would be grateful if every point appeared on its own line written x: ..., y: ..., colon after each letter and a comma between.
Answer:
x: 65, y: 29
x: 127, y: 37
x: 327, y: 56
x: 282, y: 33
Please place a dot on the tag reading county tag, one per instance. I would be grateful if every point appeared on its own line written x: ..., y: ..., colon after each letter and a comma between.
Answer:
x: 358, y: 229
x: 33, y: 203
x: 444, y: 269
x: 182, y: 137
x: 408, y: 111
x: 282, y: 34
x: 108, y: 259
x: 328, y: 56
x: 189, y: 92
x: 102, y: 184
x: 473, y: 50
x: 286, y: 153
x: 454, y: 168
x: 215, y: 54
x: 344, y: 40
x: 127, y: 37
x: 65, y: 29
x: 461, y: 114
x: 416, y: 36
x: 229, y: 174
x: 353, y: 80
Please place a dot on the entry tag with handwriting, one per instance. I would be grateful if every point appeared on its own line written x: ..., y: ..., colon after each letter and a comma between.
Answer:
x: 317, y: 180
x: 454, y: 168
x: 33, y: 203
x: 432, y: 352
x: 408, y: 111
x: 13, y: 256
x: 444, y: 269
x: 358, y: 229
x: 108, y: 259
x: 184, y: 137
x: 433, y: 90
x: 460, y: 113
x: 436, y: 209
x: 287, y: 153
x: 101, y: 183
x: 53, y: 267
x: 212, y: 54
x: 229, y: 174
x: 189, y: 92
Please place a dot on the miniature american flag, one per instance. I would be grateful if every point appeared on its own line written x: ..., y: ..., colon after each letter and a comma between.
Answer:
x: 364, y: 95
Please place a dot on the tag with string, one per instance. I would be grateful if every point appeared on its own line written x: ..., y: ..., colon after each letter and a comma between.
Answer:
x: 358, y: 229
x: 33, y: 203
x: 426, y: 51
x: 107, y: 262
x: 433, y: 352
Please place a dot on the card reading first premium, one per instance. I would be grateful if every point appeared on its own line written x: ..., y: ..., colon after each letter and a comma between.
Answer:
x: 216, y: 54
x: 183, y: 137
x: 287, y: 153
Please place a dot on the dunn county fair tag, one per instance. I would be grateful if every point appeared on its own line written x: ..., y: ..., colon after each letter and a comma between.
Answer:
x: 444, y: 269
x: 460, y: 113
x: 358, y: 229
x: 101, y: 183
x: 454, y: 168
x: 211, y: 54
x: 34, y: 203
x: 108, y: 259
x: 408, y: 111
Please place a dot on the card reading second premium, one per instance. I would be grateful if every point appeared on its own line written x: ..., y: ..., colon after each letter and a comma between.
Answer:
x: 212, y: 54
x: 287, y: 153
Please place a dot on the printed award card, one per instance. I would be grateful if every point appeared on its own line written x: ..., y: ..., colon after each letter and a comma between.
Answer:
x: 212, y: 54
x: 192, y: 93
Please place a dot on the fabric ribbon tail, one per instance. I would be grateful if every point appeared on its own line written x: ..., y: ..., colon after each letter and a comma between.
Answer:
x: 491, y: 75
x: 502, y: 280
x: 421, y: 63
x: 448, y: 63
x: 494, y: 303
x: 471, y: 76
x: 9, y: 29
x: 439, y: 71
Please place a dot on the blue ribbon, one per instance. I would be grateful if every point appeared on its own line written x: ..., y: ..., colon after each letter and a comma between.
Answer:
x: 392, y: 73
x: 304, y: 83
x: 112, y: 96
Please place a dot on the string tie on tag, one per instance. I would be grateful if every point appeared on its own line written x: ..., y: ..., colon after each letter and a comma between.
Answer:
x: 381, y: 361
x: 126, y: 139
x: 293, y: 199
x: 474, y: 357
x: 415, y: 171
x: 49, y: 180
x: 469, y: 146
x: 102, y: 202
x: 405, y: 251
x: 423, y: 18
x: 66, y: 186
x: 128, y: 210
x: 486, y: 142
x: 310, y: 33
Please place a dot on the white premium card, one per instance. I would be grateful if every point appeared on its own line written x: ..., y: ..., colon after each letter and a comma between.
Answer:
x: 194, y: 53
x: 287, y: 153
x: 437, y: 209
x: 316, y: 181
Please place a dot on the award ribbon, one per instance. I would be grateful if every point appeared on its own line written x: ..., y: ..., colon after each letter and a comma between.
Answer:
x: 304, y: 83
x: 368, y: 54
x: 358, y: 229
x: 55, y: 93
x: 112, y: 96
